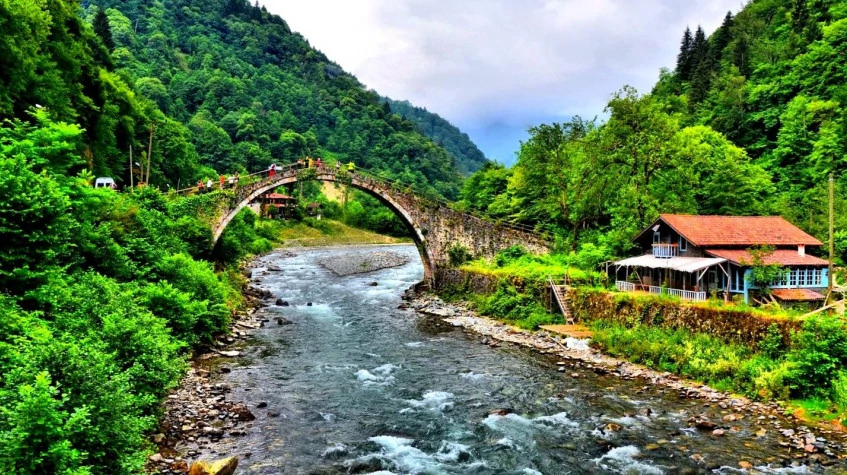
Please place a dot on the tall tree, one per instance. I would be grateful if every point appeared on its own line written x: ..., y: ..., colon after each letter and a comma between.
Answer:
x: 720, y: 39
x: 683, y: 60
x: 103, y: 29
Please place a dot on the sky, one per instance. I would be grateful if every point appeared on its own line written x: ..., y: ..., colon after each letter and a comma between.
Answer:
x: 494, y: 68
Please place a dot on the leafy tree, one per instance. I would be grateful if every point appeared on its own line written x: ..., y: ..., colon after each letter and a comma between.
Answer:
x: 763, y: 273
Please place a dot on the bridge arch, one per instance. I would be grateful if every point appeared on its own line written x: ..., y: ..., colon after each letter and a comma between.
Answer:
x: 360, y: 182
x: 435, y: 227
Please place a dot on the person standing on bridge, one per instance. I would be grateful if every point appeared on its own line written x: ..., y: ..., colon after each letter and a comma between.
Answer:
x: 311, y: 162
x: 351, y: 167
x: 222, y: 180
x: 200, y: 186
x: 272, y: 170
x: 300, y: 163
x: 318, y: 163
x: 337, y: 165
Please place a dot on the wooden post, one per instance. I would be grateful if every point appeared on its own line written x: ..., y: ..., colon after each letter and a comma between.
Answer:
x: 130, y: 167
x: 150, y: 153
x: 831, y: 230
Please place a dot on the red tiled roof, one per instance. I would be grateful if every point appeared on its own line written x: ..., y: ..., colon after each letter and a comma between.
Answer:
x: 784, y: 257
x: 277, y: 196
x: 797, y: 295
x: 706, y: 231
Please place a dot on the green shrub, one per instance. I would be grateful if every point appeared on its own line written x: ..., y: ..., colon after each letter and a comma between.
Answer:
x: 509, y: 254
x: 459, y: 254
x: 260, y: 246
x: 819, y: 352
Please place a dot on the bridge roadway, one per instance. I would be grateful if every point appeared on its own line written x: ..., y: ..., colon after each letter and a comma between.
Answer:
x: 435, y: 227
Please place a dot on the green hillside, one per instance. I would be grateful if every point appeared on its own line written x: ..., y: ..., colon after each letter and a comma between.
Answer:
x: 751, y: 120
x: 220, y: 83
x: 468, y: 157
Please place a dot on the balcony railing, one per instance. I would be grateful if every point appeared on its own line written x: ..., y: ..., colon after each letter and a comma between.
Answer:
x: 683, y: 294
x: 625, y: 286
x: 665, y: 250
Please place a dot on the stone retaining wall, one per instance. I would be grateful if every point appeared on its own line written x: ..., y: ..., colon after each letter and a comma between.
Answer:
x: 630, y: 310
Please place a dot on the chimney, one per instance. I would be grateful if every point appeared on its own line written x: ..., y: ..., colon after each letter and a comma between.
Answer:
x: 801, y: 249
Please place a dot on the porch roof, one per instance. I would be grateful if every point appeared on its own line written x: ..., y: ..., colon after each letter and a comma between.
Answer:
x: 682, y: 264
x: 797, y: 295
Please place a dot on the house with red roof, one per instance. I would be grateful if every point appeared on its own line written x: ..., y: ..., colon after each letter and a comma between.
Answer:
x: 693, y: 257
x: 284, y: 204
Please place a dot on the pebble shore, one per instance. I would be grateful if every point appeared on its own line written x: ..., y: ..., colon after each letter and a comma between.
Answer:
x: 819, y: 445
x: 363, y: 262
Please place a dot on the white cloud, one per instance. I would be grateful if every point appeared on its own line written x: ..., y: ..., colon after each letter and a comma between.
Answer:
x: 501, y: 63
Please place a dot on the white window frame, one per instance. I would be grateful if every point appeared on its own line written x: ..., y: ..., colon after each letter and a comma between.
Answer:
x: 683, y: 244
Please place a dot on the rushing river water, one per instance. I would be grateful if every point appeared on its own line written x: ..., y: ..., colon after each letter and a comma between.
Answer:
x: 360, y: 386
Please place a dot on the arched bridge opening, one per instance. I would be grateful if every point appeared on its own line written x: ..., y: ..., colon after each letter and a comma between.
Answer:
x: 434, y: 226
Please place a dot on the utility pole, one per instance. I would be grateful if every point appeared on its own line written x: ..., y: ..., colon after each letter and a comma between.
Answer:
x: 831, y: 229
x: 130, y: 167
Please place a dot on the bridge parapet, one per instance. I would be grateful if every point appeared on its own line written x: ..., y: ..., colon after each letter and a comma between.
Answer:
x: 435, y: 227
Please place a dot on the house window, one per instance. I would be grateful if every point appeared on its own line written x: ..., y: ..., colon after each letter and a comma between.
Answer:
x: 657, y: 238
x: 804, y: 277
x: 683, y: 244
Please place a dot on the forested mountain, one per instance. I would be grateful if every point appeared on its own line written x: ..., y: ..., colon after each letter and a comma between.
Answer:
x: 751, y: 120
x: 469, y: 158
x: 220, y: 83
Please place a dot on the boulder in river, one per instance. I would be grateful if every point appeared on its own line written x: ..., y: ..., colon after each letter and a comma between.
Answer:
x: 242, y: 413
x: 225, y: 466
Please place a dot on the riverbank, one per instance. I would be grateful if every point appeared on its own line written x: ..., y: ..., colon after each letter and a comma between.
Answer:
x: 198, y: 409
x: 720, y: 409
x: 326, y: 232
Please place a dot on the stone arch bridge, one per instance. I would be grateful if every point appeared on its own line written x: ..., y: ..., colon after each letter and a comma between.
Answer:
x: 434, y: 226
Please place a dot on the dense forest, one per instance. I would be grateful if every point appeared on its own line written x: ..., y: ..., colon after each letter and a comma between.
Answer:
x: 751, y: 120
x: 220, y: 85
x: 468, y: 157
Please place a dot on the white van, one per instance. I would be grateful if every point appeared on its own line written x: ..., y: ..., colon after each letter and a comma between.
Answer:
x: 105, y: 182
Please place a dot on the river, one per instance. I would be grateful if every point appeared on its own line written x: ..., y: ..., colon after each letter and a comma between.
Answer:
x: 357, y: 385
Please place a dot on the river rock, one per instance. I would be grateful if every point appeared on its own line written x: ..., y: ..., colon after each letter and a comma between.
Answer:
x: 308, y: 304
x: 745, y: 465
x: 225, y: 466
x: 283, y: 321
x: 242, y: 413
x: 374, y: 284
x: 230, y: 353
x: 262, y: 405
x: 156, y: 458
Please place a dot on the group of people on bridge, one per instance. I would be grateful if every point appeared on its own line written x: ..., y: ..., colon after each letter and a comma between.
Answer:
x: 223, y: 182
x: 310, y: 162
x: 231, y: 181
